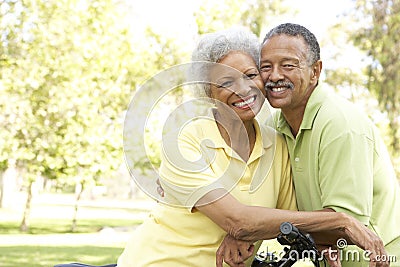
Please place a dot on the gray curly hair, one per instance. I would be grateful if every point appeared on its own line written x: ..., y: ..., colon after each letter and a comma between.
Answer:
x: 212, y: 47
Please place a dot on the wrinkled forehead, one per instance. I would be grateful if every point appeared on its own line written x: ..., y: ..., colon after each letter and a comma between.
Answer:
x: 284, y: 47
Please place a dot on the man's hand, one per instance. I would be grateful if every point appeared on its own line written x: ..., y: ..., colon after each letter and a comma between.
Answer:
x: 366, y: 239
x: 234, y: 252
x: 358, y: 234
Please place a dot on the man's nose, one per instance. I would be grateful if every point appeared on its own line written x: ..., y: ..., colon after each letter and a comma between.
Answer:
x: 275, y: 75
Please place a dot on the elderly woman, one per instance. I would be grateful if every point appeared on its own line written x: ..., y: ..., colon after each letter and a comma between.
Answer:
x: 238, y: 181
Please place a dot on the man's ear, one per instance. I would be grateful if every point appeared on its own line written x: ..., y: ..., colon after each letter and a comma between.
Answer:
x: 316, y: 70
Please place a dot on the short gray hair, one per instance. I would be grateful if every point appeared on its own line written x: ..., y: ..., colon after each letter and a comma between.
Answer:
x: 212, y: 47
x: 297, y: 30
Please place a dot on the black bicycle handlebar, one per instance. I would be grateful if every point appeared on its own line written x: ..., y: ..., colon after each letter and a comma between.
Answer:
x: 301, y: 245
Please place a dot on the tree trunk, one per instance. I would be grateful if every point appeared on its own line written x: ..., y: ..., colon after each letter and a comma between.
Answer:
x: 8, y: 186
x: 24, y: 227
x: 78, y: 197
x: 395, y: 142
x: 394, y: 126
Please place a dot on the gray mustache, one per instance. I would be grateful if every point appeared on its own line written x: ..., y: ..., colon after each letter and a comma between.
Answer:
x: 269, y: 85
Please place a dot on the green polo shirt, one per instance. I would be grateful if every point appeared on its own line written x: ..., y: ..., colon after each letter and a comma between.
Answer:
x: 339, y: 161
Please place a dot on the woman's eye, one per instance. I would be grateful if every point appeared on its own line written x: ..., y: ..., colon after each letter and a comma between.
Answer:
x: 225, y: 84
x: 251, y: 75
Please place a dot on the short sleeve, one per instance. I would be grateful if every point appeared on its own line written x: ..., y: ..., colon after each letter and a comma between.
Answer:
x: 346, y: 186
x: 186, y: 172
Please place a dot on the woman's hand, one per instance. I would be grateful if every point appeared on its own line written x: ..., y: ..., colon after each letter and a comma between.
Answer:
x: 234, y: 252
x: 331, y: 255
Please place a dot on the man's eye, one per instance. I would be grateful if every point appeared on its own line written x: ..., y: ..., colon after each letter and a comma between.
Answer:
x: 265, y: 68
x: 289, y: 66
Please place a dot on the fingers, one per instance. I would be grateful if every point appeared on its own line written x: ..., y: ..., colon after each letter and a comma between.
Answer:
x: 237, y: 257
x: 250, y: 251
x: 366, y: 239
x: 379, y: 259
x: 233, y: 258
x: 220, y: 256
x: 376, y: 250
x: 331, y: 255
x: 233, y: 252
x: 224, y: 254
x: 245, y: 250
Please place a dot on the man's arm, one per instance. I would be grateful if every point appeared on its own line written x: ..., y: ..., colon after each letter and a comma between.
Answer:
x: 346, y: 174
x: 251, y: 223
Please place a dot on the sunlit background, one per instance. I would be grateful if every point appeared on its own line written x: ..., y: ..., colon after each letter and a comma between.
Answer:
x: 69, y: 69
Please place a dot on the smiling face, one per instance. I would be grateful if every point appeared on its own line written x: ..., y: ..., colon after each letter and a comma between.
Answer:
x: 289, y: 78
x: 236, y: 83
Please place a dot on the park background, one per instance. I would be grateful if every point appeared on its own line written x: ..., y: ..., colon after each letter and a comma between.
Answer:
x: 69, y: 69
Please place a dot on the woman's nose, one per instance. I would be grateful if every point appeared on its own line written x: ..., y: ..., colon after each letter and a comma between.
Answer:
x: 243, y: 87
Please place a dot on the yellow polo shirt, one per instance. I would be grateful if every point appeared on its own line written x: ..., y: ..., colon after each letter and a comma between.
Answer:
x: 176, y: 235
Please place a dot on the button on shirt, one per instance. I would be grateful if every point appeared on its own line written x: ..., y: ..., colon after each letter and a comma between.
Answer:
x: 339, y: 161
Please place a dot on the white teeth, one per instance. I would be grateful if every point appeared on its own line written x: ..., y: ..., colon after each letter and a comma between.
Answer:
x: 279, y: 89
x: 244, y: 103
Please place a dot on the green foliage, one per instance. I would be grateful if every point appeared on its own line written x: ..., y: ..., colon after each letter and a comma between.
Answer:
x: 69, y: 69
x: 258, y: 13
x: 217, y: 15
x: 378, y: 34
x: 67, y: 76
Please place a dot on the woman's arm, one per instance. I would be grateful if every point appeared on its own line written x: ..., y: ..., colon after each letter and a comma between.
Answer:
x: 252, y: 223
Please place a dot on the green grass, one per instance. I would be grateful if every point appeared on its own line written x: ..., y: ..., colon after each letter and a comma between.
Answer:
x: 48, y: 256
x: 49, y: 240
x: 57, y: 226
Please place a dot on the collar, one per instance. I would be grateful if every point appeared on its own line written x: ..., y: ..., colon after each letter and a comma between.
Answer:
x: 218, y: 142
x: 263, y: 140
x: 314, y: 103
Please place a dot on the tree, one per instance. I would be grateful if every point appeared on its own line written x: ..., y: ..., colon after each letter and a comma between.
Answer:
x: 67, y: 72
x: 217, y: 15
x: 378, y: 34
